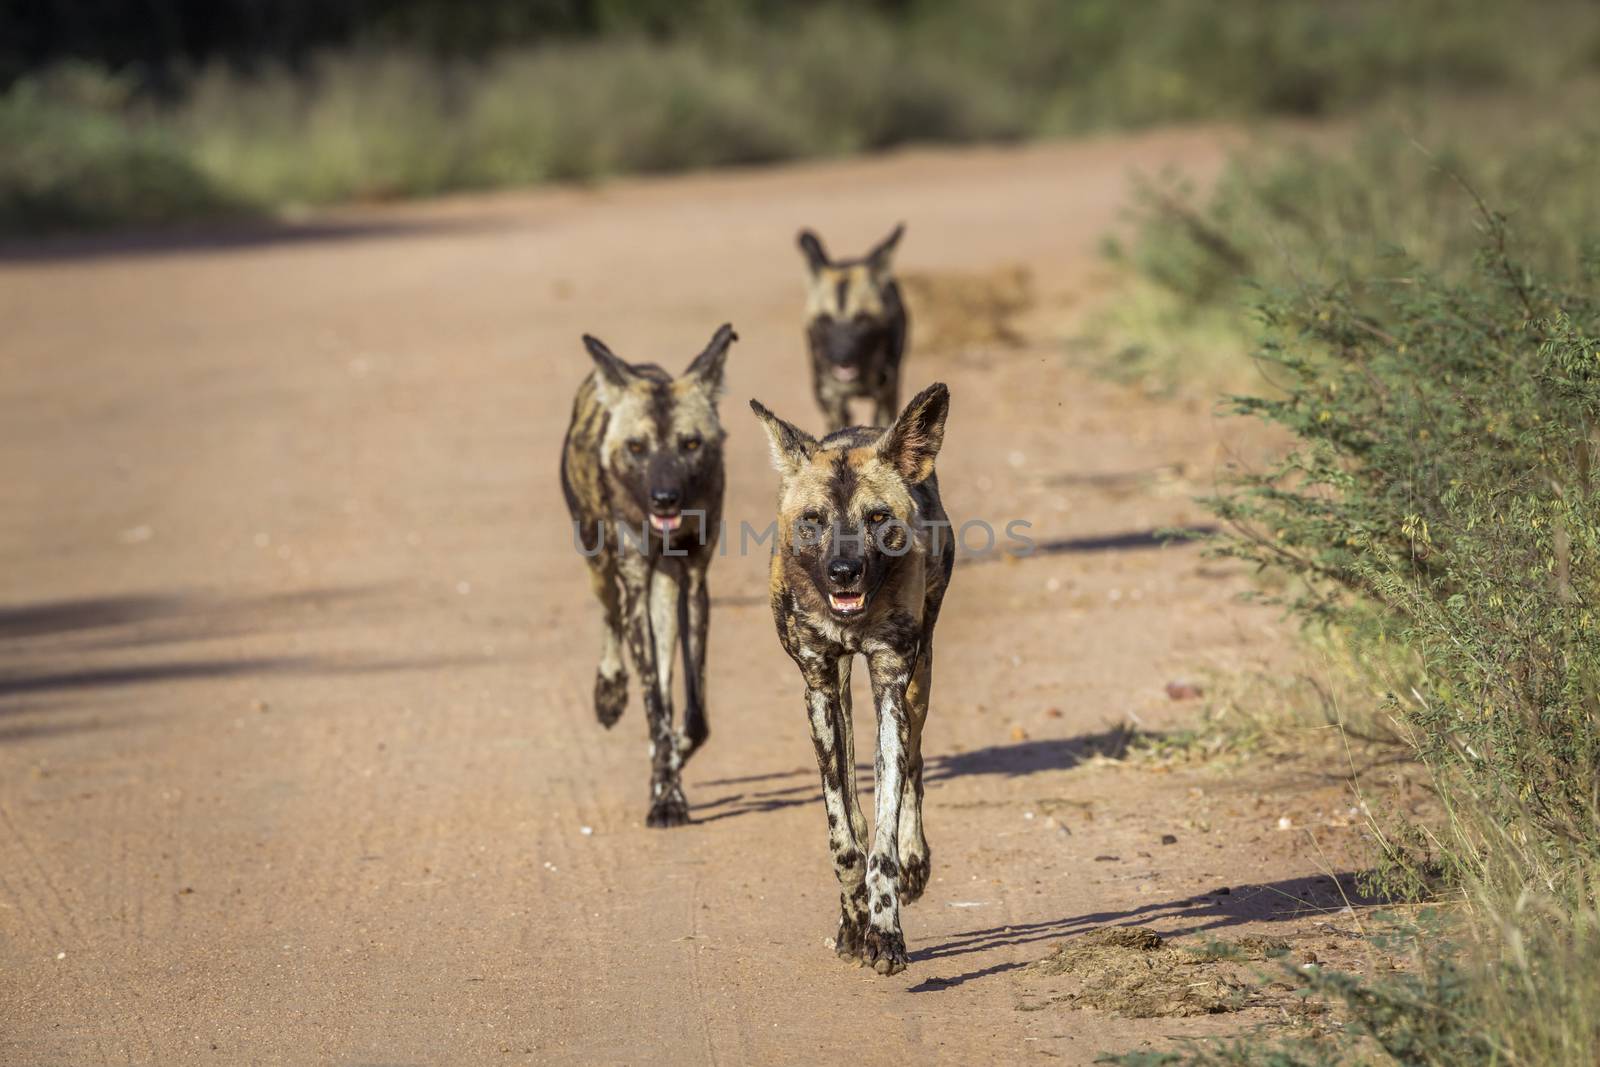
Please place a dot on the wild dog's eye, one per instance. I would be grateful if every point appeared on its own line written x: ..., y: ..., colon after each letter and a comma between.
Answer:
x: 877, y: 517
x: 691, y: 444
x: 812, y: 516
x: 636, y: 447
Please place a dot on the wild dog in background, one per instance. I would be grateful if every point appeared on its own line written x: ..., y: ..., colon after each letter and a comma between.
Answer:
x: 863, y: 556
x: 642, y: 473
x: 856, y: 329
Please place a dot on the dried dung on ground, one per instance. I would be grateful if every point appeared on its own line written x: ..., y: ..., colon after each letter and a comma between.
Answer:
x: 1133, y: 972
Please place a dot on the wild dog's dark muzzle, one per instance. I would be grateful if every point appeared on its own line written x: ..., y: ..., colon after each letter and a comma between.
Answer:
x: 846, y: 345
x: 846, y: 573
x: 665, y: 495
x: 846, y: 581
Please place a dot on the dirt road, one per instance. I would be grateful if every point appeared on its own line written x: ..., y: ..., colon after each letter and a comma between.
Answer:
x: 296, y: 749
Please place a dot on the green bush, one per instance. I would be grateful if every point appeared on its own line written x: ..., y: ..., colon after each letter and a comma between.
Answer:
x: 77, y: 163
x: 1445, y: 472
x: 1438, y: 371
x: 1309, y: 215
x: 1443, y: 399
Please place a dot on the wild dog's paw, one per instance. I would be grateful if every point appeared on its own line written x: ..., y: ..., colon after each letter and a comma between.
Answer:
x: 884, y: 950
x: 670, y: 809
x: 610, y: 698
x: 851, y: 939
x: 914, y: 872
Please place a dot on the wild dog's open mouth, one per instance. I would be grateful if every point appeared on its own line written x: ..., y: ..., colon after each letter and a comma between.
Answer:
x: 666, y: 523
x: 847, y: 603
x: 846, y: 374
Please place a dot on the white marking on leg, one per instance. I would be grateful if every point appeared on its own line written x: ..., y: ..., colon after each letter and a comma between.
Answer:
x: 913, y: 843
x: 610, y: 652
x: 847, y: 755
x: 664, y: 627
x: 910, y: 821
x: 843, y: 843
x: 887, y: 792
x: 822, y: 733
x: 885, y: 846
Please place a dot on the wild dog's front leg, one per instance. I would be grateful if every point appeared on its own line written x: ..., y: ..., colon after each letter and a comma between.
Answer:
x: 696, y: 626
x: 847, y: 755
x: 886, y: 400
x: 834, y: 404
x: 830, y: 735
x: 668, y: 807
x: 885, y: 948
x: 886, y: 407
x: 915, y: 856
x: 611, y: 678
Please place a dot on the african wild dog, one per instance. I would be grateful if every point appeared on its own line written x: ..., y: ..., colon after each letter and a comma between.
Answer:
x: 856, y: 330
x: 862, y: 560
x: 642, y: 473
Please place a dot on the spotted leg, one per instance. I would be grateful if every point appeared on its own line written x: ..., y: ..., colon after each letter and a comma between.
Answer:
x: 846, y: 826
x: 644, y: 586
x: 888, y: 398
x: 696, y: 617
x: 611, y: 678
x: 914, y: 853
x: 885, y: 947
x: 886, y: 404
x: 851, y: 947
x: 834, y: 404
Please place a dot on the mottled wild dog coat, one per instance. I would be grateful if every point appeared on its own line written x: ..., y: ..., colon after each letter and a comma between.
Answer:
x: 855, y: 328
x: 642, y: 473
x: 863, y: 557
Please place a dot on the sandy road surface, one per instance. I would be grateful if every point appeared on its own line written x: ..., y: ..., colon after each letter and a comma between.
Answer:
x: 295, y: 657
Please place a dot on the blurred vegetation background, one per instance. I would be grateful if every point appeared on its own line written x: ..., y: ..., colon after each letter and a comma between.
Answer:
x: 161, y: 110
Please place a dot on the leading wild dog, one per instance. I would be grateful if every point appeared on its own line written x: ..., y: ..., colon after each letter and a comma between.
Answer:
x: 642, y: 473
x: 855, y: 328
x: 862, y: 559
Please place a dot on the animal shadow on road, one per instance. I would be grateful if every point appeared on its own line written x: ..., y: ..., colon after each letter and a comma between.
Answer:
x: 1007, y: 761
x: 54, y: 655
x: 1126, y: 541
x: 1294, y: 898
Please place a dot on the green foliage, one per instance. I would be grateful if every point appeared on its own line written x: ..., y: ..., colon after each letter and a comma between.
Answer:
x: 65, y: 163
x: 1446, y: 434
x: 1308, y: 216
x: 589, y: 89
x: 1438, y: 371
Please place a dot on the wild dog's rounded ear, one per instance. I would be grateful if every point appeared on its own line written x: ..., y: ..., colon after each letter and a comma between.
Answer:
x: 883, y: 251
x: 612, y: 368
x: 707, y: 366
x: 912, y: 443
x: 792, y: 447
x: 811, y: 246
